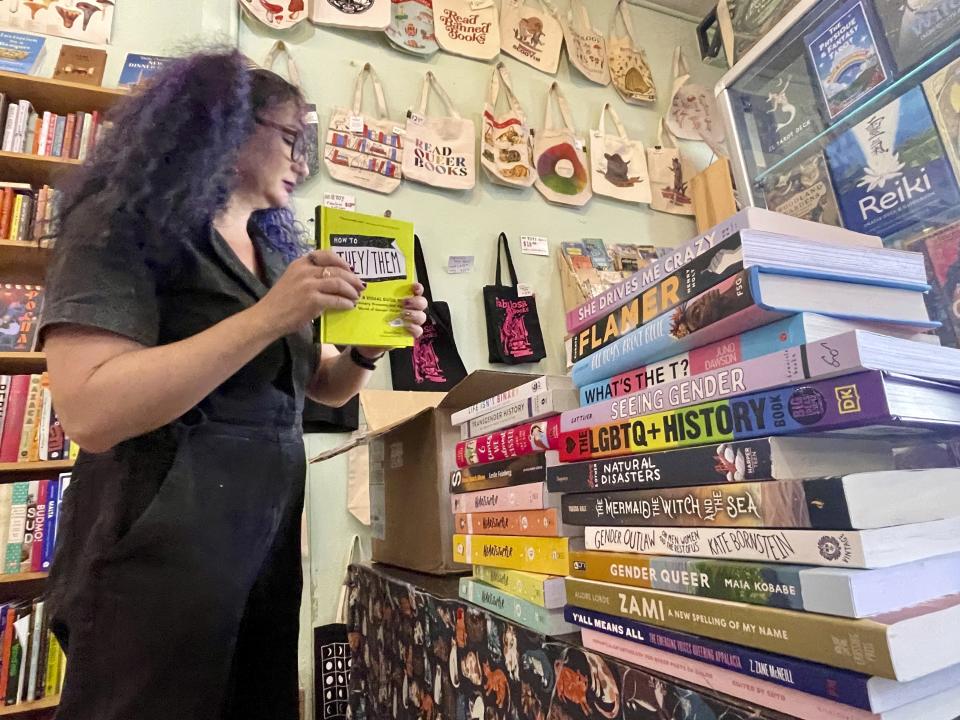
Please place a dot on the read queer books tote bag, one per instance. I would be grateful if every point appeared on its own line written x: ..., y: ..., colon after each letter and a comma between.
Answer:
x: 439, y: 150
x: 513, y: 327
x: 356, y: 14
x: 411, y: 27
x: 366, y: 151
x: 618, y: 165
x: 629, y: 69
x: 531, y: 33
x: 586, y: 46
x: 507, y: 146
x: 468, y: 27
x: 562, y: 169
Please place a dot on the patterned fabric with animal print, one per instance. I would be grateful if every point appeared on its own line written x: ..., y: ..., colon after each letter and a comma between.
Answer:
x: 506, y: 145
x: 618, y: 165
x: 532, y: 33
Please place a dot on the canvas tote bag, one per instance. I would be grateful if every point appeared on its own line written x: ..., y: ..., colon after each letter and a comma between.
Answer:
x: 467, y: 27
x: 507, y: 145
x: 618, y: 165
x: 311, y: 120
x: 513, y: 327
x: 356, y: 14
x: 586, y: 46
x: 275, y: 14
x: 670, y: 174
x: 439, y: 150
x: 364, y: 150
x: 411, y: 27
x: 562, y: 169
x: 693, y: 111
x: 531, y: 33
x: 629, y: 69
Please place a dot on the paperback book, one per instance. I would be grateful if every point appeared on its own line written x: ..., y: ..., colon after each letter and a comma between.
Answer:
x: 803, y: 190
x: 544, y: 590
x: 20, y: 53
x: 548, y: 556
x: 918, y: 29
x: 138, y: 69
x: 20, y: 308
x: 523, y: 612
x: 503, y: 473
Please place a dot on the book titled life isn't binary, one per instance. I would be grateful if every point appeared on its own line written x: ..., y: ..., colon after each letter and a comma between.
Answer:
x: 380, y: 251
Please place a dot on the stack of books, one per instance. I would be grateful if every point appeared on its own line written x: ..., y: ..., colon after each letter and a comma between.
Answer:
x: 29, y: 518
x: 47, y: 134
x: 507, y: 525
x: 26, y: 213
x: 30, y: 430
x: 32, y: 664
x: 744, y: 464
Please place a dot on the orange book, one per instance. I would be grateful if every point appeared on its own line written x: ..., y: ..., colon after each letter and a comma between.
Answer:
x: 38, y: 126
x: 68, y: 134
x: 529, y: 523
x: 5, y: 652
x: 6, y: 212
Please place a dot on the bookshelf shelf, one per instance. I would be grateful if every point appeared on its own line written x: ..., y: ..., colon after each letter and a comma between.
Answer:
x: 25, y: 263
x: 58, y: 96
x: 24, y: 468
x: 31, y: 707
x: 33, y: 169
x: 16, y: 578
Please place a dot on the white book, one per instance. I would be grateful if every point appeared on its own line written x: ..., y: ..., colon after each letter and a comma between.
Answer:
x: 10, y: 129
x: 85, y: 135
x: 46, y: 409
x: 42, y: 149
x: 35, y: 650
x: 537, y: 384
x: 536, y: 407
x: 20, y: 139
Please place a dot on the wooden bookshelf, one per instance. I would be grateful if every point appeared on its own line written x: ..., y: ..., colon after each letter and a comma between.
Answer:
x: 33, y: 169
x: 10, y: 472
x: 16, y: 578
x: 22, y: 363
x: 47, y: 703
x: 58, y: 96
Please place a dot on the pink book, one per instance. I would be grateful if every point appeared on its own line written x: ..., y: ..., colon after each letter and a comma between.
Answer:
x: 510, y: 443
x: 39, y: 527
x: 532, y: 496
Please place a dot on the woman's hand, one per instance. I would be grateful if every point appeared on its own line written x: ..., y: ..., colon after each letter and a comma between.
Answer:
x: 414, y: 316
x: 310, y: 285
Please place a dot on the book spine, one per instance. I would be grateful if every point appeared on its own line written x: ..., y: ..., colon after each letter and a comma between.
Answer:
x: 536, y: 523
x: 18, y: 523
x: 96, y: 128
x: 521, y: 392
x: 29, y: 528
x: 42, y: 433
x: 15, y: 219
x: 8, y: 634
x: 58, y: 135
x: 13, y: 418
x: 533, y: 408
x: 36, y: 635
x: 504, y: 473
x: 42, y: 147
x: 25, y: 641
x: 37, y: 125
x: 26, y: 214
x: 523, y: 497
x: 29, y: 133
x: 542, y: 590
x: 761, y: 693
x: 5, y: 381
x: 53, y: 515
x: 38, y: 214
x: 533, y: 617
x: 39, y: 526
x: 17, y: 646
x: 6, y: 213
x: 20, y: 139
x: 68, y: 129
x: 82, y: 119
x: 550, y: 556
x: 514, y: 442
x: 772, y: 629
x: 10, y: 129
x: 39, y: 691
x: 30, y: 417
x: 845, y: 402
x: 754, y: 583
x: 87, y: 133
x: 53, y: 657
x: 684, y: 283
x: 50, y: 142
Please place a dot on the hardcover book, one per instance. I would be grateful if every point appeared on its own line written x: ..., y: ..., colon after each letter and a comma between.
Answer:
x: 503, y: 473
x: 20, y: 53
x: 380, y: 251
x: 891, y: 171
x: 803, y: 190
x: 918, y: 29
x: 943, y: 95
x: 81, y: 65
x: 20, y: 307
x: 140, y: 68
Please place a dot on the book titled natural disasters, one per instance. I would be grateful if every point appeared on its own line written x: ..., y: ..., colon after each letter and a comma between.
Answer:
x: 380, y: 251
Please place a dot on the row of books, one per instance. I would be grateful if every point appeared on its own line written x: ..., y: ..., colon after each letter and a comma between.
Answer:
x: 32, y: 663
x: 26, y: 214
x: 47, y: 134
x: 29, y: 519
x: 30, y: 430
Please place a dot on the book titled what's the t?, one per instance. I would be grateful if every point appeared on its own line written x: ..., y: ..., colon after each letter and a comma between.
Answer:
x: 380, y: 252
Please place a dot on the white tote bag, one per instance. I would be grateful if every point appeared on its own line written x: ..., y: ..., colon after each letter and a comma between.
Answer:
x: 506, y: 144
x: 586, y: 46
x: 629, y: 69
x: 618, y: 165
x: 411, y: 27
x: 439, y: 150
x: 276, y: 15
x: 356, y: 14
x: 670, y: 173
x: 364, y: 150
x: 563, y: 176
x: 532, y: 33
x: 467, y: 27
x: 693, y: 111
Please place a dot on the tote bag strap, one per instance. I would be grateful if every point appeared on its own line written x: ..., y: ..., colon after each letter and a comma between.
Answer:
x: 502, y: 243
x: 623, y: 15
x: 280, y: 47
x: 377, y: 89
x: 430, y: 81
x: 579, y: 17
x: 554, y: 91
x: 665, y: 138
x: 502, y: 75
x: 352, y: 557
x: 420, y: 265
x: 608, y: 108
x: 680, y: 67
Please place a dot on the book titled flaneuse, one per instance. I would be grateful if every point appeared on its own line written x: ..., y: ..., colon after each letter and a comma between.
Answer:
x: 380, y: 251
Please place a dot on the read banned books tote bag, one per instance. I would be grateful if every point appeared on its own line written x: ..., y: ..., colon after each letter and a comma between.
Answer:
x: 357, y: 14
x: 562, y: 174
x: 467, y: 27
x: 507, y: 146
x: 629, y: 69
x: 531, y: 33
x: 513, y: 327
x: 586, y: 46
x: 618, y: 165
x: 365, y: 151
x: 439, y: 150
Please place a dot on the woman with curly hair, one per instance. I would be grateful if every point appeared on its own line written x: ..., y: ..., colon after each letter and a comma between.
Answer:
x: 178, y: 337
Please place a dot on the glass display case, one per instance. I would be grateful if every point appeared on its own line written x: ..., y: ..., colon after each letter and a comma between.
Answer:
x: 847, y: 112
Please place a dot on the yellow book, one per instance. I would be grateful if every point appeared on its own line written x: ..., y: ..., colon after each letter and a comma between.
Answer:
x: 43, y: 416
x: 550, y: 556
x: 51, y: 685
x: 547, y: 591
x: 380, y: 251
x: 30, y: 417
x: 15, y: 217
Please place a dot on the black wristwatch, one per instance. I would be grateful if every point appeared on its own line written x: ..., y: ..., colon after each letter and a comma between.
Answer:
x: 363, y: 361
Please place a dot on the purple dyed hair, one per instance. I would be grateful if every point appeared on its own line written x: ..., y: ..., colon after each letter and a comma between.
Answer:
x: 166, y: 167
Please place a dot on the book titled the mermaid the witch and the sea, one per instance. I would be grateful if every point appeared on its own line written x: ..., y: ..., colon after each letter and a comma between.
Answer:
x: 380, y: 251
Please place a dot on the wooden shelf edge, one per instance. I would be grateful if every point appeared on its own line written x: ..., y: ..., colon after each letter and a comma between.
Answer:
x: 30, y: 157
x: 13, y: 578
x: 65, y: 84
x: 41, y: 466
x: 28, y: 707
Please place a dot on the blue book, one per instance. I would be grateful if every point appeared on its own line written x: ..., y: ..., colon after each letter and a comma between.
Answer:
x: 891, y: 172
x: 53, y: 510
x: 139, y: 68
x: 918, y: 30
x: 20, y: 53
x: 515, y: 609
x: 58, y: 136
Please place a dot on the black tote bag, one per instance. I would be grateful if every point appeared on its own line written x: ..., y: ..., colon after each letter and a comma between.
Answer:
x: 513, y: 327
x: 433, y: 363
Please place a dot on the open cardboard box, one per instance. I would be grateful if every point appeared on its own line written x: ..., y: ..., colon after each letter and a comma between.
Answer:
x: 412, y: 448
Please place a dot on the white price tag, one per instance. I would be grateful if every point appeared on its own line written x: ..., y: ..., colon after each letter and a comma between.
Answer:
x: 339, y: 201
x: 416, y: 118
x: 397, y: 130
x: 534, y: 245
x: 524, y: 290
x: 355, y: 123
x: 459, y: 264
x: 311, y: 118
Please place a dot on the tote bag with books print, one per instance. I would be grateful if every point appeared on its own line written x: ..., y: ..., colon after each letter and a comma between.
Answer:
x: 411, y: 27
x: 629, y: 69
x: 506, y: 145
x: 531, y: 33
x: 439, y: 150
x: 618, y: 165
x: 586, y: 46
x: 563, y: 176
x: 467, y: 27
x: 356, y: 14
x: 670, y: 174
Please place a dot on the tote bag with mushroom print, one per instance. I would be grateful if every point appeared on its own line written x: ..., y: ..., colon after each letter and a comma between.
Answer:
x: 276, y: 14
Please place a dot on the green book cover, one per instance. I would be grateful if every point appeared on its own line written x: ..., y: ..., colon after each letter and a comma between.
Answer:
x: 380, y: 251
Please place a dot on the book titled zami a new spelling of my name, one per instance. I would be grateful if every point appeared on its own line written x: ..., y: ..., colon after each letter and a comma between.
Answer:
x: 380, y: 251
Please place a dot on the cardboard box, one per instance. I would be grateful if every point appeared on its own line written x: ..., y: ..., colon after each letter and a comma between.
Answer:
x: 411, y: 444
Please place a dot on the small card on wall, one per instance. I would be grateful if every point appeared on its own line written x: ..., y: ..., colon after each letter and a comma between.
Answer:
x: 524, y: 290
x: 339, y: 201
x: 534, y: 245
x: 459, y: 264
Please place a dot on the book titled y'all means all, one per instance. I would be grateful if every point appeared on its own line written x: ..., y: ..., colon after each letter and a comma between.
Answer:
x: 380, y: 251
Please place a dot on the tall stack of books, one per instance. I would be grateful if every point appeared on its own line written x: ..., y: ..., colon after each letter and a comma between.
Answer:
x: 32, y: 664
x: 760, y: 515
x: 507, y: 525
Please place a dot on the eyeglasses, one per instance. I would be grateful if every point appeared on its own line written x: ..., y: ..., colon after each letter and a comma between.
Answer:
x: 293, y: 138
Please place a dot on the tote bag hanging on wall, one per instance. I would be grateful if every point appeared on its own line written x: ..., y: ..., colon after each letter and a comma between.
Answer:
x: 618, y: 165
x: 586, y: 46
x: 507, y: 147
x: 670, y: 174
x: 411, y: 27
x: 531, y: 33
x: 439, y: 150
x: 467, y: 27
x: 433, y: 363
x: 357, y: 14
x: 513, y: 327
x: 311, y: 121
x: 275, y: 14
x: 361, y: 150
x: 629, y: 69
x: 693, y: 111
x: 562, y: 174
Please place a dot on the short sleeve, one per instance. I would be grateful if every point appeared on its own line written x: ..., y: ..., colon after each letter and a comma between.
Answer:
x: 103, y: 283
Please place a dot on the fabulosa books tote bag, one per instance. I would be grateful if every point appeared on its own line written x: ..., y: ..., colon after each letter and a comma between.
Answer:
x: 439, y: 150
x: 586, y: 46
x: 618, y: 165
x: 670, y: 174
x: 356, y: 14
x: 629, y: 69
x: 562, y: 169
x: 468, y: 27
x: 411, y: 27
x: 513, y: 327
x: 531, y: 33
x: 433, y: 363
x: 275, y: 14
x: 364, y: 150
x: 507, y: 146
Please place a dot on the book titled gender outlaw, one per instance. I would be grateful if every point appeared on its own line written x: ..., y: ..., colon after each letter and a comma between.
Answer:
x: 890, y: 171
x: 846, y: 58
x: 380, y: 251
